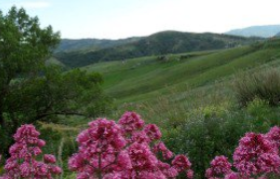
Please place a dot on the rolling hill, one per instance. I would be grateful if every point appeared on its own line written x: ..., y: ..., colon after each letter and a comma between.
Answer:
x: 67, y: 45
x: 256, y: 31
x: 142, y: 79
x: 168, y: 42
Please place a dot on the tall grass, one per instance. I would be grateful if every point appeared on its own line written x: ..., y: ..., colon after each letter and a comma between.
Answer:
x: 264, y: 85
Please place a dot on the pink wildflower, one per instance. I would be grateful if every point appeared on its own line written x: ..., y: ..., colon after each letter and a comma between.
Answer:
x: 181, y: 163
x: 123, y: 151
x: 141, y: 157
x: 140, y: 137
x: 256, y: 154
x: 190, y: 174
x: 219, y: 167
x: 131, y: 121
x: 49, y: 158
x: 232, y: 175
x: 274, y: 135
x: 166, y: 153
x: 99, y: 148
x: 22, y: 163
x: 153, y: 132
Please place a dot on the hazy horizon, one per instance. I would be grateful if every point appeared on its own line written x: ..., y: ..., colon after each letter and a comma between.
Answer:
x: 135, y: 18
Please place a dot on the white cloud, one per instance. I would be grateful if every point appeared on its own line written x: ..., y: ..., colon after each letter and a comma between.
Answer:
x: 33, y: 4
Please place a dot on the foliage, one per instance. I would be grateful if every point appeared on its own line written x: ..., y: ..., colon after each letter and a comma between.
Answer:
x: 56, y: 93
x: 22, y: 162
x: 127, y: 149
x: 264, y: 85
x: 258, y: 107
x: 205, y: 137
x: 257, y: 156
x: 31, y: 91
x: 24, y: 47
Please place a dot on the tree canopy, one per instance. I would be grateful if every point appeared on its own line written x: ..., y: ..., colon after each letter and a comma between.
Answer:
x: 30, y: 90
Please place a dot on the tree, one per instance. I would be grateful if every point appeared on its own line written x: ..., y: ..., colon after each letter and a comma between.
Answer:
x: 30, y: 90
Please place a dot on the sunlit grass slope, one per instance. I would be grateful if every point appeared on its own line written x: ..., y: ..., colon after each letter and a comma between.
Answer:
x: 145, y: 78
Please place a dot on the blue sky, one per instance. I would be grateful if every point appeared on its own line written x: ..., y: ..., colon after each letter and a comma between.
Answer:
x: 116, y: 19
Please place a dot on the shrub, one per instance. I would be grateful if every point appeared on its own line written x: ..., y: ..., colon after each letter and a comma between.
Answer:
x: 263, y: 85
x: 257, y: 156
x: 127, y: 149
x: 203, y: 137
x: 258, y: 108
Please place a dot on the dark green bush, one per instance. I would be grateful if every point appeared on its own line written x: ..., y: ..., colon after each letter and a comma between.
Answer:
x: 206, y: 136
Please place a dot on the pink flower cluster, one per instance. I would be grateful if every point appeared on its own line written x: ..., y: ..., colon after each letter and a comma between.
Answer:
x: 219, y: 167
x: 22, y: 162
x: 128, y: 149
x: 256, y: 156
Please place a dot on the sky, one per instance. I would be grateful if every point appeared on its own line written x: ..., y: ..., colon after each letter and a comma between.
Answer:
x: 115, y: 19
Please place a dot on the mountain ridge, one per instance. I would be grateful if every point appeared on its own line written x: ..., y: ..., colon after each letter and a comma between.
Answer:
x: 265, y: 31
x: 91, y: 44
x: 160, y: 43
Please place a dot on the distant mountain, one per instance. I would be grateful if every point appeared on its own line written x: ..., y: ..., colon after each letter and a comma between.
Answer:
x: 157, y: 44
x: 256, y: 31
x: 85, y: 45
x: 277, y: 35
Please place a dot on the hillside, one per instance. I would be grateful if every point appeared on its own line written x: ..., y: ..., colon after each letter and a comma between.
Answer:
x: 157, y: 44
x: 277, y: 35
x: 145, y: 78
x: 256, y: 31
x: 85, y: 45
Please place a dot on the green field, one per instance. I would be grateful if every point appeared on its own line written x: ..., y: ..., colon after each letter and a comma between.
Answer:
x: 143, y: 79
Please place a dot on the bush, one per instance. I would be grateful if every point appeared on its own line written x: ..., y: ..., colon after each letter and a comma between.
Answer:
x: 263, y: 85
x: 206, y: 136
x: 257, y: 156
x: 258, y: 107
